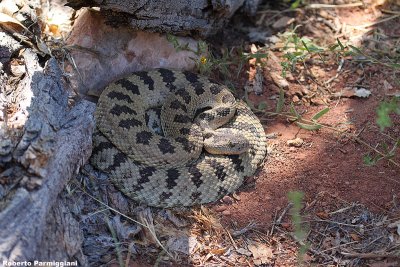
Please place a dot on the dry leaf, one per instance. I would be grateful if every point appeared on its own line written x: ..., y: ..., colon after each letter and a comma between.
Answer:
x: 279, y: 80
x: 42, y: 47
x: 206, y: 258
x: 283, y: 22
x: 8, y: 7
x: 243, y: 251
x: 323, y: 215
x: 355, y: 237
x: 145, y: 217
x: 218, y: 251
x: 177, y: 221
x: 183, y: 244
x: 358, y: 92
x: 11, y: 24
x: 387, y: 86
x: 261, y: 253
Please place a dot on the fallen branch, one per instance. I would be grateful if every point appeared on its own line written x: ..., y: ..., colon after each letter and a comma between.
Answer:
x: 55, y: 140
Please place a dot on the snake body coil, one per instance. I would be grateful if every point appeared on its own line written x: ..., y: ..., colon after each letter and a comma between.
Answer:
x: 198, y: 117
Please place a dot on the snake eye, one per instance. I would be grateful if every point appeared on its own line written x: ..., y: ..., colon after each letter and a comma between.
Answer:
x: 208, y: 135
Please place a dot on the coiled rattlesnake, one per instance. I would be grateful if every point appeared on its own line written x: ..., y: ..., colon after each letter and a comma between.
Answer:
x: 174, y: 169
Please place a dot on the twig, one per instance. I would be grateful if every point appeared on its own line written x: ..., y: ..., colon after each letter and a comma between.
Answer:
x: 247, y: 228
x: 301, y: 243
x: 367, y: 25
x: 116, y: 243
x: 273, y: 225
x: 279, y: 11
x: 129, y: 218
x: 344, y: 209
x: 338, y: 223
x: 355, y: 138
x: 390, y: 12
x: 323, y: 234
x: 232, y: 241
x: 373, y: 241
x: 334, y: 6
x: 369, y: 255
x: 338, y: 246
x: 283, y: 213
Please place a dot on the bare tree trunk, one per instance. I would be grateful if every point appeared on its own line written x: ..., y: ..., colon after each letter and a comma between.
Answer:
x: 195, y: 17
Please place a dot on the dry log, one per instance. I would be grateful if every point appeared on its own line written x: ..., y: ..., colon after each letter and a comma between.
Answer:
x: 43, y: 143
x: 44, y: 140
x: 196, y: 17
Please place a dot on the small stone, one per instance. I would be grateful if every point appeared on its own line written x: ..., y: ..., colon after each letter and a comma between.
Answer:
x: 227, y: 199
x: 317, y: 101
x: 295, y: 99
x: 387, y: 86
x: 304, y: 90
x: 220, y: 208
x: 324, y: 14
x: 244, y: 251
x: 17, y: 69
x: 286, y: 225
x: 236, y: 196
x: 279, y: 80
x: 273, y: 39
x: 226, y: 213
x: 282, y: 22
x: 362, y: 92
x: 297, y: 142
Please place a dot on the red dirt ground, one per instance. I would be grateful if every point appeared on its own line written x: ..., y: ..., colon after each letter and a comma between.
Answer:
x: 326, y: 162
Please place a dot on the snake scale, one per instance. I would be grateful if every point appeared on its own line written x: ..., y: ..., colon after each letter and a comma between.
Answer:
x: 197, y: 160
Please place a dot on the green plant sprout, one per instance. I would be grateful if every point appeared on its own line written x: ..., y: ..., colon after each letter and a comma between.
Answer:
x: 383, y: 120
x: 299, y: 49
x: 300, y: 231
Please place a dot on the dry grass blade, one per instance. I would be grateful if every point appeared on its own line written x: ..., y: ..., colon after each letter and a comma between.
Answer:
x: 369, y: 255
x: 231, y: 239
x: 316, y: 6
x: 117, y: 246
x: 367, y: 25
x: 152, y: 231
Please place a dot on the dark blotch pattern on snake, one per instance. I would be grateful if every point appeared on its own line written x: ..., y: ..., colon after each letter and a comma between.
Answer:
x: 185, y: 166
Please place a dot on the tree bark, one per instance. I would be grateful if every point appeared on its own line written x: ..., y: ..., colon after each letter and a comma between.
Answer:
x: 43, y: 143
x: 196, y: 17
x: 44, y: 139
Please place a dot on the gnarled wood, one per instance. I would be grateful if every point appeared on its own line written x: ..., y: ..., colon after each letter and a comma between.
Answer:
x: 49, y: 141
x: 195, y: 17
